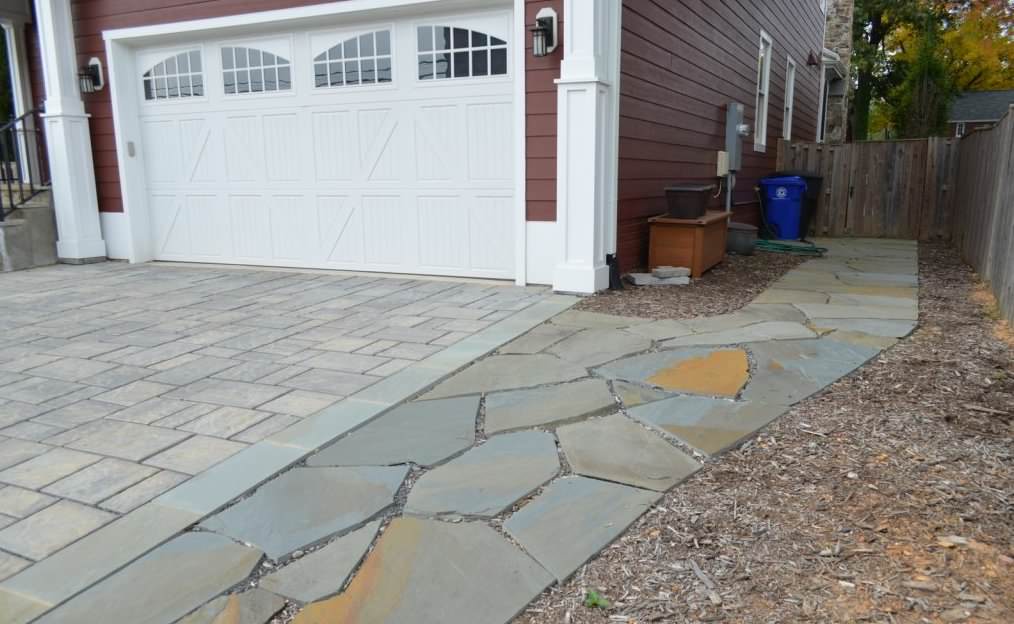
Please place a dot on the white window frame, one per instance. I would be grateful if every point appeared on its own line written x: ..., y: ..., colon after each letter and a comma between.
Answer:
x: 163, y: 56
x: 959, y: 129
x: 469, y: 50
x: 762, y: 104
x: 790, y: 98
x: 339, y: 38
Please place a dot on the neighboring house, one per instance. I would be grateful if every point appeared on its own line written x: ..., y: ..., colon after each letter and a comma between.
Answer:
x: 977, y: 109
x: 836, y: 60
x: 405, y: 136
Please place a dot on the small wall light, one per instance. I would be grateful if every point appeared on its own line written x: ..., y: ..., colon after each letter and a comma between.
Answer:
x: 89, y: 77
x: 544, y: 33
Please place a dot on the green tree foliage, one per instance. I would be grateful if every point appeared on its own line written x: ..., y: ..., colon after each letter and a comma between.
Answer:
x: 918, y: 105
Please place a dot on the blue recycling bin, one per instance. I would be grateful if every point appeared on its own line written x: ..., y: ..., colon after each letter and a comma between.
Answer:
x: 783, y: 205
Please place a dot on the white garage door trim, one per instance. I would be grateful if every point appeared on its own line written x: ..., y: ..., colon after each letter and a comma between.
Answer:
x: 123, y: 45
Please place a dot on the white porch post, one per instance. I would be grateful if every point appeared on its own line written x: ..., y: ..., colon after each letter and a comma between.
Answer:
x: 67, y: 140
x: 587, y: 118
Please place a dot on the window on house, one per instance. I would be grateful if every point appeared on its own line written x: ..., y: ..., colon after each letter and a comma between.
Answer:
x: 178, y: 76
x: 365, y: 59
x: 760, y: 126
x: 445, y: 52
x: 249, y: 70
x: 790, y: 97
x: 959, y: 130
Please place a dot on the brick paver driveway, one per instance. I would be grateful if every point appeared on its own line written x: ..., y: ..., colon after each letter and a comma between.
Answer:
x: 119, y: 382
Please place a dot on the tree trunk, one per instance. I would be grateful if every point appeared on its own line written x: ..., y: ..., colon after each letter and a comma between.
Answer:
x: 861, y: 107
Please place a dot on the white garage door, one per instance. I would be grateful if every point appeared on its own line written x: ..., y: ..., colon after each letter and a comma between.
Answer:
x: 383, y: 147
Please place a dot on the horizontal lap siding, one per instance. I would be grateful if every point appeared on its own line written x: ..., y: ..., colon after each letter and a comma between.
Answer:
x: 92, y: 17
x: 682, y: 62
x: 540, y: 120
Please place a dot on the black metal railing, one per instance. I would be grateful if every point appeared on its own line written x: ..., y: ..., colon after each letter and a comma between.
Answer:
x: 24, y: 171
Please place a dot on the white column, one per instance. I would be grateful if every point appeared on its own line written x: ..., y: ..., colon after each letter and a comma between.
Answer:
x: 67, y: 140
x: 28, y: 144
x: 587, y: 118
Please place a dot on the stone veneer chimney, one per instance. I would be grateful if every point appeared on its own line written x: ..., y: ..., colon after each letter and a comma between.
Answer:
x: 838, y: 37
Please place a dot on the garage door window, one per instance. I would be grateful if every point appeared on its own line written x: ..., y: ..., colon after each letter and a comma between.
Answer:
x: 446, y: 52
x: 178, y: 76
x: 365, y: 59
x: 249, y: 70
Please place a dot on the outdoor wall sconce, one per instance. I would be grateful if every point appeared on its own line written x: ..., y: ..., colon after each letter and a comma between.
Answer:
x: 89, y: 77
x: 544, y: 34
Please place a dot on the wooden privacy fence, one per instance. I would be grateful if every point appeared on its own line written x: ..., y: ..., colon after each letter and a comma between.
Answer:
x: 893, y: 189
x: 984, y: 207
x: 960, y: 190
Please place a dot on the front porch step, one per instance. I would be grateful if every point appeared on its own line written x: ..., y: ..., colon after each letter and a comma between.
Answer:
x: 28, y: 235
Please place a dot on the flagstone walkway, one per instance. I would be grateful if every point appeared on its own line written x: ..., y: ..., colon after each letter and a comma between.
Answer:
x: 466, y: 503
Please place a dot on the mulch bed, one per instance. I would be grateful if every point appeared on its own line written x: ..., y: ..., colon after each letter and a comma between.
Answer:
x: 727, y: 287
x: 886, y: 498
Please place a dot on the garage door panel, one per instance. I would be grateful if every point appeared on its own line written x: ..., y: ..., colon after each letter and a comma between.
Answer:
x: 283, y: 140
x: 340, y: 240
x: 250, y: 226
x: 170, y: 225
x: 385, y: 220
x: 163, y: 160
x: 380, y: 151
x: 208, y: 219
x: 439, y: 144
x: 293, y: 224
x: 491, y: 234
x: 490, y: 142
x: 443, y: 232
x: 336, y: 140
x: 244, y: 151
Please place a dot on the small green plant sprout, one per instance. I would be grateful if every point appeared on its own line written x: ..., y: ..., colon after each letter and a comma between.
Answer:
x: 593, y: 600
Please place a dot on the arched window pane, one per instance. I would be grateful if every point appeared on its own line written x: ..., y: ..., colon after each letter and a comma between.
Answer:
x: 363, y: 59
x: 445, y: 52
x: 249, y: 70
x: 178, y: 76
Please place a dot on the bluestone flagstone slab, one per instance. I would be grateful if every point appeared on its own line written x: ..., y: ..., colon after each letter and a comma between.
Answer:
x: 254, y: 606
x: 44, y: 532
x: 850, y: 311
x: 595, y: 320
x: 788, y: 371
x: 697, y: 370
x: 591, y: 347
x: 431, y: 572
x: 489, y: 478
x: 709, y: 425
x: 323, y: 572
x: 574, y: 518
x: 16, y: 451
x: 767, y: 330
x: 126, y: 440
x: 616, y: 449
x: 305, y: 505
x: 506, y: 372
x: 632, y: 394
x: 523, y: 409
x: 99, y: 480
x: 163, y: 585
x: 19, y: 502
x: 44, y: 469
x: 422, y: 432
x: 661, y: 329
x: 878, y: 327
x: 539, y: 338
x: 195, y: 455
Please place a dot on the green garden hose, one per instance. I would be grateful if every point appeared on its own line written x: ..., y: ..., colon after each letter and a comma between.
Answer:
x: 796, y: 248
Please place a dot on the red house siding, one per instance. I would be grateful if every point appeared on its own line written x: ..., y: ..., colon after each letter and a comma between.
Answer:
x: 540, y: 113
x: 92, y: 17
x: 682, y: 62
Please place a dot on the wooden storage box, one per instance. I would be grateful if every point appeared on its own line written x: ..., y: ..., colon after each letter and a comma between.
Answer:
x: 697, y: 244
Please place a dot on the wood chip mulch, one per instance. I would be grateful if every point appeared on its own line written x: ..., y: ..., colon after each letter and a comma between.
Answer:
x: 889, y: 497
x: 725, y: 288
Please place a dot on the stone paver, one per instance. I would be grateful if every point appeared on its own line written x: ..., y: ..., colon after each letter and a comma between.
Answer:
x: 229, y: 393
x: 719, y: 372
x: 164, y: 585
x: 431, y: 572
x: 505, y: 372
x: 255, y: 606
x: 99, y: 481
x: 330, y: 382
x: 523, y: 409
x: 633, y: 394
x: 49, y: 530
x: 323, y: 572
x: 225, y: 422
x: 125, y: 440
x: 71, y: 369
x: 16, y: 451
x: 574, y: 518
x: 595, y: 320
x: 9, y: 565
x: 143, y: 491
x: 77, y: 414
x: 19, y: 503
x: 195, y: 455
x: 788, y: 371
x: 592, y: 347
x: 489, y: 478
x: 423, y: 432
x: 891, y: 329
x: 616, y: 449
x: 709, y: 425
x: 306, y: 505
x: 47, y: 468
x: 767, y: 330
x: 300, y: 403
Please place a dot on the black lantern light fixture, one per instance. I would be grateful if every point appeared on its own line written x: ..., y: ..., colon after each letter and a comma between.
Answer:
x: 89, y: 77
x: 544, y: 34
